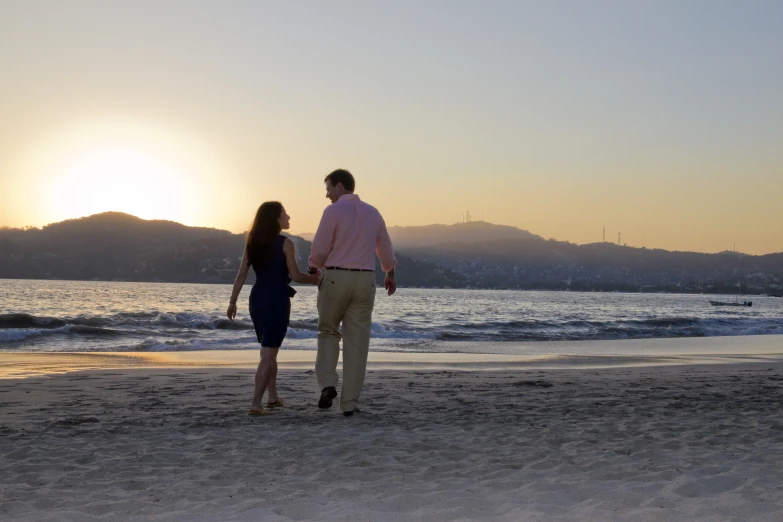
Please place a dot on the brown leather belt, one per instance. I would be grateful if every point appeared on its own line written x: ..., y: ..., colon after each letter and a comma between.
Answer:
x: 349, y: 269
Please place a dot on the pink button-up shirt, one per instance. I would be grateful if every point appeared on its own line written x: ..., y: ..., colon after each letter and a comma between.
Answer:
x: 351, y: 232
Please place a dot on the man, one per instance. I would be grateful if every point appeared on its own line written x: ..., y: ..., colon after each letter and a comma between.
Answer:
x: 349, y: 236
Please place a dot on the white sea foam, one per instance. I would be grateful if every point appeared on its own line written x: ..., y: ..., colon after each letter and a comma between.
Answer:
x: 18, y: 334
x: 85, y: 318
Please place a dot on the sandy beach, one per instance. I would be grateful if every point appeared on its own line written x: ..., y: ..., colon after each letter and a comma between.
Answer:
x: 149, y: 442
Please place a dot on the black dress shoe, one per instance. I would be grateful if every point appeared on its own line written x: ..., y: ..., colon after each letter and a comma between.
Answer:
x: 350, y: 413
x: 327, y: 395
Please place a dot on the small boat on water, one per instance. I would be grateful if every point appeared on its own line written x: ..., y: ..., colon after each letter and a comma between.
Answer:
x: 736, y: 301
x: 726, y: 303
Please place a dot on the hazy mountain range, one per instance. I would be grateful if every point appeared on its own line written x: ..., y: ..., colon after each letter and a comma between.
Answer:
x: 540, y: 263
x: 429, y: 235
x: 116, y: 246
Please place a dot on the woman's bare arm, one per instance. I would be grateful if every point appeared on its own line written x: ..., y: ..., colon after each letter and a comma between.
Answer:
x: 239, y: 282
x: 293, y: 268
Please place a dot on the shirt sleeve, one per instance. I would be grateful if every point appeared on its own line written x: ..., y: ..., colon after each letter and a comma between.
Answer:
x: 322, y: 242
x: 384, y: 248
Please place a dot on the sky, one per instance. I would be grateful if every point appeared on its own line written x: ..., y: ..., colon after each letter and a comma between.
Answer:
x: 660, y: 120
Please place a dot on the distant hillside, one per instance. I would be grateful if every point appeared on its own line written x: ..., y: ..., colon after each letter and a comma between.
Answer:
x: 116, y: 246
x: 308, y: 236
x: 539, y: 263
x: 472, y: 232
x: 431, y: 235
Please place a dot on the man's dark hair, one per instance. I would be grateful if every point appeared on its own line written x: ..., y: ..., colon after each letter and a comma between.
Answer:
x: 341, y: 176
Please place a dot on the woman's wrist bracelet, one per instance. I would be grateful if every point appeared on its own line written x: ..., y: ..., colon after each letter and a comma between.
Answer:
x: 232, y: 301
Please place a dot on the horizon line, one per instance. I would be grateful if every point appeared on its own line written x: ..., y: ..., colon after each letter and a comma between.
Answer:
x: 734, y: 251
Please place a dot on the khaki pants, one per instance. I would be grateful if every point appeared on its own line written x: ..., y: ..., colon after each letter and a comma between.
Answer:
x: 346, y: 297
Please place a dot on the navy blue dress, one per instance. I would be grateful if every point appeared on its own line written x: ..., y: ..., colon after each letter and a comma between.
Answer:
x: 270, y: 298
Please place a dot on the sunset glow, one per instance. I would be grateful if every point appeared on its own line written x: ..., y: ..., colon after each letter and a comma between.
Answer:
x: 562, y: 119
x: 120, y: 178
x: 118, y: 166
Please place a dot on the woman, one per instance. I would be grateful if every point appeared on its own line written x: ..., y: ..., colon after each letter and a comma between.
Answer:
x: 273, y: 259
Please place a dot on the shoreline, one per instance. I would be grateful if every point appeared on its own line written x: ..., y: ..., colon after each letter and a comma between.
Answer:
x: 552, y: 355
x: 228, y: 283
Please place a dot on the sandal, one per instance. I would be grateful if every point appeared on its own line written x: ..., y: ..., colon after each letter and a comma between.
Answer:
x: 253, y: 411
x: 277, y: 404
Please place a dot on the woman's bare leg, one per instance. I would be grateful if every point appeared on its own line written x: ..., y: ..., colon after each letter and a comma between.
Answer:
x: 263, y: 374
x: 272, y: 386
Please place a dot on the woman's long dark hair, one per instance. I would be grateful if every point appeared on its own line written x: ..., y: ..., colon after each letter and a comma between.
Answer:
x: 261, y: 237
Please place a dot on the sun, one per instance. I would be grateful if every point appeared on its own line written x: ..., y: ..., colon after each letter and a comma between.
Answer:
x: 123, y: 178
x: 150, y: 169
x: 141, y: 168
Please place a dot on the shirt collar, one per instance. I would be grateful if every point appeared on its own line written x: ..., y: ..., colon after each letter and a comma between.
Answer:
x: 348, y: 197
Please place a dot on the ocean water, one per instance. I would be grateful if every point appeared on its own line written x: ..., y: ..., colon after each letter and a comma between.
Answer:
x: 106, y: 316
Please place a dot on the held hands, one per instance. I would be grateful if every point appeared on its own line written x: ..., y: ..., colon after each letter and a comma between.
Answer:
x: 231, y: 313
x: 315, y: 274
